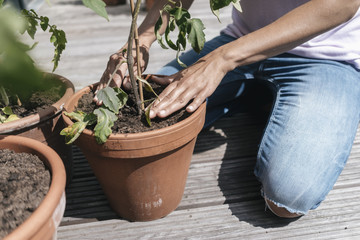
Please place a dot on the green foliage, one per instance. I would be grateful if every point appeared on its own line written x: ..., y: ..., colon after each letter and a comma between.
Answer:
x: 104, y: 117
x: 98, y: 6
x: 18, y: 74
x: 57, y: 38
x: 216, y: 5
x: 17, y: 71
x: 105, y: 120
x: 112, y: 98
x: 9, y: 115
x: 82, y: 119
x: 147, y: 86
x: 188, y: 28
x: 196, y: 35
x: 147, y: 113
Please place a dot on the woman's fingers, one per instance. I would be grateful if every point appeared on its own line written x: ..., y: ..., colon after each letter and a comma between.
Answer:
x: 162, y: 80
x: 177, y: 95
x: 191, y: 85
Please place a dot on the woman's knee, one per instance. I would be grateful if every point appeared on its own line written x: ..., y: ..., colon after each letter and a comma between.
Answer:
x: 288, y: 196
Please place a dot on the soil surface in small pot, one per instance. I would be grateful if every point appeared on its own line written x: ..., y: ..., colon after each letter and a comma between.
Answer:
x: 129, y: 121
x: 38, y: 101
x: 24, y: 182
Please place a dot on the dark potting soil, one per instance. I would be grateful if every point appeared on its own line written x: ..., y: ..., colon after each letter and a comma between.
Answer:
x: 129, y: 121
x: 38, y: 101
x: 24, y: 181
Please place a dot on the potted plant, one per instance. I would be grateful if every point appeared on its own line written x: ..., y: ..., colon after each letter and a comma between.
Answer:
x: 143, y: 174
x: 31, y: 101
x: 43, y: 222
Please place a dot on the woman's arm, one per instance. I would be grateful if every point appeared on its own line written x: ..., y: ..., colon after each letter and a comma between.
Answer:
x: 296, y: 27
x: 146, y: 38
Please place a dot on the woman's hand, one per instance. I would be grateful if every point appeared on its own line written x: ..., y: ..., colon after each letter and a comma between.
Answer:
x: 194, y: 84
x: 117, y: 67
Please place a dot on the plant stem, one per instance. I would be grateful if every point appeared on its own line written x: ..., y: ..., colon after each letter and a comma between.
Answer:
x: 130, y: 59
x: 136, y: 38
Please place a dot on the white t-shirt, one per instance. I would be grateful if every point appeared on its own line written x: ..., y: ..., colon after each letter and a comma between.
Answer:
x: 341, y: 43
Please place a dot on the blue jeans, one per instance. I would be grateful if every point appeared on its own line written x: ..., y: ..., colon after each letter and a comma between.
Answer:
x: 311, y: 127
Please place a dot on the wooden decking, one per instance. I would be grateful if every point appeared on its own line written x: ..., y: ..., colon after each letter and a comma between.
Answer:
x: 222, y: 198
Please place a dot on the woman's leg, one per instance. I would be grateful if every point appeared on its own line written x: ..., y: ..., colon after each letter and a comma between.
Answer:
x: 310, y: 131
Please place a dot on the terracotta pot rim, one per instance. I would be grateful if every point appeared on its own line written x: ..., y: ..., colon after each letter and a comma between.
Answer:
x: 45, y: 210
x: 142, y: 135
x: 43, y: 115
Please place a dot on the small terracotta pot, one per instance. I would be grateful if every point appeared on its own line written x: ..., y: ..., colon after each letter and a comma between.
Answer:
x: 143, y: 175
x: 43, y: 222
x: 45, y: 126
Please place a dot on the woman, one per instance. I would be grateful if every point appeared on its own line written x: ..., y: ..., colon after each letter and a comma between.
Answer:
x: 309, y: 52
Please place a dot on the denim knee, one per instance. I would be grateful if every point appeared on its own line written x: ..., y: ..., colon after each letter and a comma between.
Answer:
x: 295, y: 195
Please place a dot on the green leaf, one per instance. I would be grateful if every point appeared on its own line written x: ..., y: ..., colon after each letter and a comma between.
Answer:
x: 82, y: 119
x: 44, y: 23
x: 1, y: 3
x: 7, y: 110
x: 180, y: 16
x: 76, y: 116
x: 122, y: 96
x: 147, y: 113
x: 191, y: 30
x: 58, y: 38
x: 178, y: 13
x: 109, y: 98
x: 179, y: 61
x: 32, y: 21
x: 196, y: 35
x: 61, y: 37
x: 11, y: 118
x: 98, y: 6
x: 237, y: 5
x: 90, y: 119
x: 216, y: 13
x: 216, y: 5
x: 105, y: 120
x: 181, y: 41
x: 167, y: 34
x: 53, y: 38
x: 72, y: 132
x: 32, y: 27
x: 147, y: 85
x: 158, y: 24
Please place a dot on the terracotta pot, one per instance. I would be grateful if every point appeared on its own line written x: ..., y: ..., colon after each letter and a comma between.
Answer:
x: 46, y: 125
x: 143, y: 175
x: 43, y: 222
